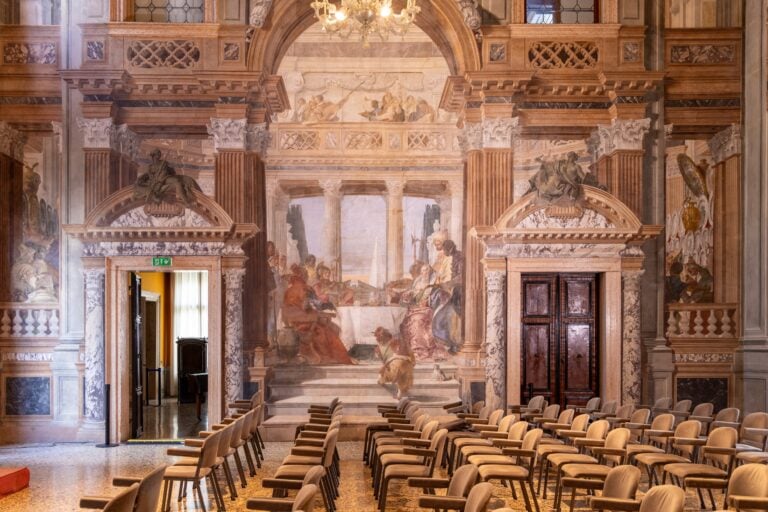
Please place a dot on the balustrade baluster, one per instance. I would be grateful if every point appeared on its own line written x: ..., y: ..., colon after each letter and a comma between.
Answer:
x: 711, y: 324
x: 17, y: 322
x: 29, y: 323
x: 5, y: 325
x: 41, y: 317
x: 685, y: 323
x: 53, y: 323
x: 698, y: 324
x: 726, y: 321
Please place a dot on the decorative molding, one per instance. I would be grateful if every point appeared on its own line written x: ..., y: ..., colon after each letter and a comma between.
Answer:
x: 470, y: 13
x: 127, y: 142
x: 703, y: 357
x: 631, y: 51
x: 228, y: 133
x: 495, y: 337
x: 95, y: 51
x: 259, y: 13
x: 631, y: 353
x: 620, y: 135
x: 104, y: 249
x: 27, y: 356
x: 233, y: 332
x: 725, y: 144
x: 472, y: 138
x: 257, y: 138
x: 702, y: 54
x: 331, y: 188
x: 497, y: 52
x: 563, y: 54
x: 98, y: 133
x: 12, y: 142
x: 30, y: 53
x: 395, y: 187
x: 499, y: 132
x: 174, y: 54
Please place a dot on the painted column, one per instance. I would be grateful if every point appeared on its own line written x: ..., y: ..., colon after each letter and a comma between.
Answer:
x: 332, y: 225
x: 619, y: 156
x: 631, y: 378
x: 495, y: 338
x: 395, y: 229
x: 94, y: 344
x: 127, y: 145
x: 233, y: 333
x: 12, y: 189
x: 725, y: 147
x: 456, y: 224
x: 100, y: 159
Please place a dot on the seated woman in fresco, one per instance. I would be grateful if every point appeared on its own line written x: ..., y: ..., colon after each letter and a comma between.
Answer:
x: 319, y: 337
x: 416, y: 327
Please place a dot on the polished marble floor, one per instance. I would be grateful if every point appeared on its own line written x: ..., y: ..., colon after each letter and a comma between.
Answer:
x: 61, y: 473
x: 173, y: 420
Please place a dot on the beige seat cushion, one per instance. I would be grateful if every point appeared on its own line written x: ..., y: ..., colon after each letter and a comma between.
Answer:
x: 480, y: 460
x: 468, y: 451
x: 307, y: 460
x: 471, y: 441
x: 400, y: 458
x: 406, y: 470
x: 684, y: 470
x: 585, y: 470
x: 292, y: 472
x: 558, y: 459
x: 546, y: 449
x: 503, y: 471
x: 634, y: 449
x: 753, y: 457
x: 185, y: 472
x: 652, y: 459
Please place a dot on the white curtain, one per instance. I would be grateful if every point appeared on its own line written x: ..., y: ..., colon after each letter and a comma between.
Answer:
x: 190, y: 313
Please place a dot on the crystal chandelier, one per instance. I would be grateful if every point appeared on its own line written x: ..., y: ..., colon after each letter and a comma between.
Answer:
x: 342, y: 17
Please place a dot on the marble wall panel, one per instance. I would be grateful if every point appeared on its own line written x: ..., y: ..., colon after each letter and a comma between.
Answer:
x: 27, y: 396
x: 704, y: 389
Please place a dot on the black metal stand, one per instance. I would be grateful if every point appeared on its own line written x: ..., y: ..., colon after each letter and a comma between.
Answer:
x: 107, y: 415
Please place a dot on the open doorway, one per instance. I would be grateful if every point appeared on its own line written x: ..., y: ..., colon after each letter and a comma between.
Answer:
x: 169, y: 354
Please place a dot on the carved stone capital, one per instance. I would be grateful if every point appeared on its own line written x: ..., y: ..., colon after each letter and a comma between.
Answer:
x: 395, y: 187
x: 257, y: 138
x: 228, y: 133
x: 499, y: 132
x: 98, y: 133
x: 127, y: 142
x: 494, y: 280
x: 259, y: 12
x: 620, y: 135
x: 472, y: 138
x: 233, y: 281
x: 331, y: 188
x: 470, y: 13
x: 725, y: 144
x: 12, y: 142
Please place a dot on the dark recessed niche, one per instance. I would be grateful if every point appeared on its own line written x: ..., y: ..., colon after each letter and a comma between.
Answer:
x: 27, y: 396
x: 704, y: 389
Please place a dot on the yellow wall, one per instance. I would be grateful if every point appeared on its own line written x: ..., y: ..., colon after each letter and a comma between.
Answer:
x: 156, y: 282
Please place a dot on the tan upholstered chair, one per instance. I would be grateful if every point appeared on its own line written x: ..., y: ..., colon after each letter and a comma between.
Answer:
x: 304, y: 501
x: 478, y: 498
x: 206, y: 456
x: 620, y: 485
x: 683, y: 445
x: 404, y: 406
x: 729, y: 417
x: 535, y: 405
x: 563, y: 421
x: 638, y: 417
x: 281, y: 486
x: 484, y: 439
x: 667, y: 498
x: 147, y: 498
x: 457, y: 488
x: 753, y: 435
x: 654, y: 438
x: 747, y: 487
x: 704, y: 413
x: 607, y: 410
x: 622, y: 415
x: 681, y: 410
x: 124, y: 501
x: 549, y: 414
x: 661, y: 406
x: 386, y: 454
x: 479, y: 455
x: 427, y: 459
x: 592, y: 405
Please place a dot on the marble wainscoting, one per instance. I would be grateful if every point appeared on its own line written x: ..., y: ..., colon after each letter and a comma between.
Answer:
x: 27, y: 396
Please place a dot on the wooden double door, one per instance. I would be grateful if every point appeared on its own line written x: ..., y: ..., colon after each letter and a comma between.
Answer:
x: 560, y: 342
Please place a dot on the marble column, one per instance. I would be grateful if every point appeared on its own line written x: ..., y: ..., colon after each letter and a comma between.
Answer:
x: 11, y: 191
x: 332, y: 225
x: 395, y: 229
x: 631, y: 377
x: 495, y: 339
x: 619, y: 157
x: 456, y: 224
x: 233, y: 333
x: 101, y: 161
x: 725, y: 147
x: 444, y: 203
x: 94, y: 344
x: 280, y: 203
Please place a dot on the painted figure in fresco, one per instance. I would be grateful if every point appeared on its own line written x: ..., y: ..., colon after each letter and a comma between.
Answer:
x: 160, y: 178
x: 331, y: 292
x: 310, y: 266
x: 699, y: 284
x: 398, y: 361
x: 416, y: 329
x: 555, y: 180
x: 319, y: 336
x: 446, y: 299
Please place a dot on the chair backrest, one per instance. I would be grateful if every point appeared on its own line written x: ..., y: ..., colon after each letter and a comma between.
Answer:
x: 478, y: 406
x: 245, y: 431
x: 438, y: 444
x: 225, y: 438
x: 124, y: 501
x: 517, y: 431
x: 420, y: 421
x: 624, y: 411
x: 495, y: 417
x: 593, y: 404
x: 536, y: 402
x: 209, y: 451
x: 236, y: 427
x: 531, y: 439
x: 663, y: 422
x: 669, y: 498
x: 305, y: 498
x: 622, y: 482
x: 609, y: 407
x: 313, y: 476
x: 566, y: 417
x: 429, y: 429
x: 598, y: 430
x: 730, y: 414
x: 478, y: 498
x: 689, y: 429
x: 721, y: 437
x: 640, y: 416
x: 683, y: 406
x: 507, y: 421
x: 149, y: 490
x: 749, y: 480
x: 703, y: 409
x: 618, y: 439
x: 580, y: 422
x: 330, y: 447
x: 551, y: 412
x: 462, y: 481
x: 485, y: 412
x: 754, y: 420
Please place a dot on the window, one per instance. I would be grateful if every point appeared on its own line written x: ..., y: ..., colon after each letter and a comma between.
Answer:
x: 169, y: 11
x: 31, y: 12
x: 561, y: 11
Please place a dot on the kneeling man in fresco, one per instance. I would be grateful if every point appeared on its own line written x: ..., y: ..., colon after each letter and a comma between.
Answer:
x: 398, y: 361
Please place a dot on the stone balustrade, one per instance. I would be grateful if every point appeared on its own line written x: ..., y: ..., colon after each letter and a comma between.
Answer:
x: 29, y: 321
x: 702, y: 321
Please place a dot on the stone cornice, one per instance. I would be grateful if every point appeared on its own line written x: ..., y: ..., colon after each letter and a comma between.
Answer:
x: 725, y: 144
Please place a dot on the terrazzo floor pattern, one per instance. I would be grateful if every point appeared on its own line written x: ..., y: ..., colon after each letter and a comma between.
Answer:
x: 61, y: 473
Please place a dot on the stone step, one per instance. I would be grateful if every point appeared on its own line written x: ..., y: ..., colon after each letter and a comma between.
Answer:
x: 330, y: 387
x: 294, y: 374
x: 353, y: 405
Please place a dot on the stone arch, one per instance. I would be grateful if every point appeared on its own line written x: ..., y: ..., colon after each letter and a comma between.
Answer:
x: 440, y: 19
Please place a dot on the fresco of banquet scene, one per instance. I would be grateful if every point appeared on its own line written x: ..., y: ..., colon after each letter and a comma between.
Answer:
x: 342, y: 312
x: 34, y: 273
x: 689, y: 229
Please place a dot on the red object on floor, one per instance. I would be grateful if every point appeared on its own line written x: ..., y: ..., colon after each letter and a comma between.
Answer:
x: 13, y: 480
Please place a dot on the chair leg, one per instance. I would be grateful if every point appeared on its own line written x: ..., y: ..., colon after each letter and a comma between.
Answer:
x: 240, y: 471
x: 230, y: 480
x: 525, y: 495
x: 200, y: 496
x: 167, y: 492
x: 383, y: 495
x: 216, y: 491
x: 249, y: 460
x: 533, y: 495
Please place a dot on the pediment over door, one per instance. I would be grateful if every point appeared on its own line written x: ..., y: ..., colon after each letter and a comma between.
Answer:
x: 124, y: 219
x: 598, y: 224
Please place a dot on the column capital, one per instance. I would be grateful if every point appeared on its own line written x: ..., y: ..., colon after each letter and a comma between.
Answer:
x: 395, y: 187
x: 331, y: 187
x: 257, y: 138
x: 233, y: 279
x: 12, y: 141
x: 725, y: 144
x: 228, y: 133
x: 98, y: 133
x: 494, y: 280
x: 491, y: 133
x: 620, y: 135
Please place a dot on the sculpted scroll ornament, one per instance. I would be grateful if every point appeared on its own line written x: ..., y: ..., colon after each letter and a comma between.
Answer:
x: 621, y: 134
x: 97, y: 133
x: 725, y: 144
x: 228, y: 133
x: 499, y: 132
x: 470, y: 13
x: 257, y: 138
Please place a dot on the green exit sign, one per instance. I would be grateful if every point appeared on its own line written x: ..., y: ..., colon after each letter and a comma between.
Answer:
x: 162, y: 261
